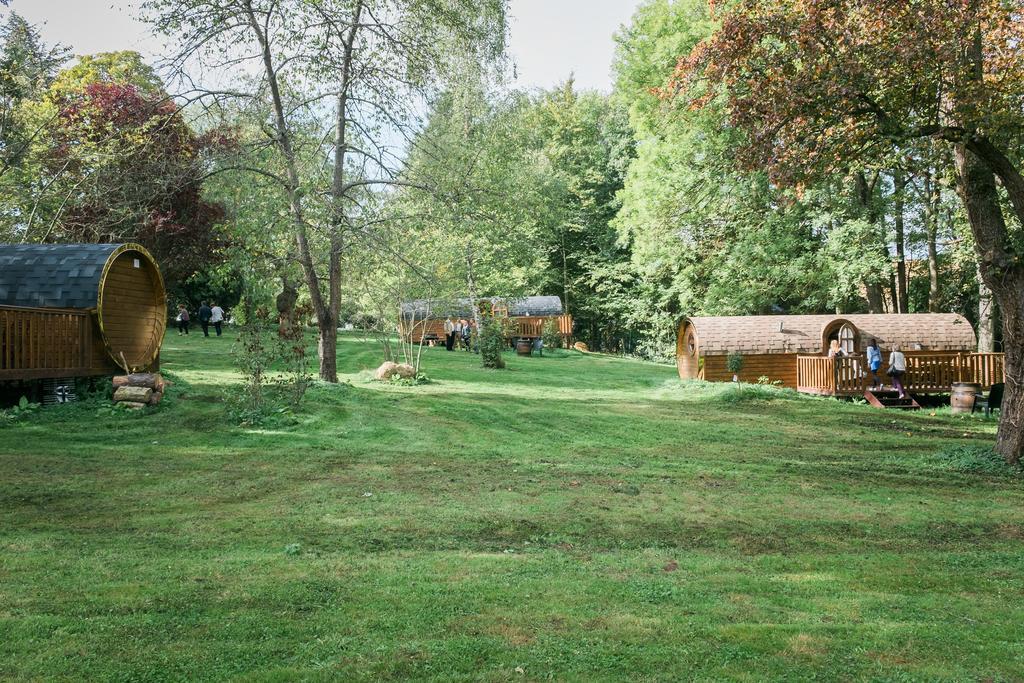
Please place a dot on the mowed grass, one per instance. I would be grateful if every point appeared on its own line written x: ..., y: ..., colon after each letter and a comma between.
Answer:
x: 570, y: 518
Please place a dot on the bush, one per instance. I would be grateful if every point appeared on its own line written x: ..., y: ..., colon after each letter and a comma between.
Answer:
x: 253, y: 356
x: 492, y: 342
x: 735, y: 363
x: 551, y: 335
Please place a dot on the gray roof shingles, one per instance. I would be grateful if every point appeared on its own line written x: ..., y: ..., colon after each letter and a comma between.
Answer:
x: 52, y: 275
x: 462, y: 308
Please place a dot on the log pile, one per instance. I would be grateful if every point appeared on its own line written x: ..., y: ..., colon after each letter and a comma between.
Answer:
x: 139, y: 389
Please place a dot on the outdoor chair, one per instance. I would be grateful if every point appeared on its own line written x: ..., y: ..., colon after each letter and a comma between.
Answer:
x: 994, y: 400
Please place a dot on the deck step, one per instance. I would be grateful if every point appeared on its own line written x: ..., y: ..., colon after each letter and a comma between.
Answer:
x: 890, y: 399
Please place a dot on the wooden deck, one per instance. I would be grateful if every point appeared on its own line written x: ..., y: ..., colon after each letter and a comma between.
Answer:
x: 927, y: 373
x: 37, y: 343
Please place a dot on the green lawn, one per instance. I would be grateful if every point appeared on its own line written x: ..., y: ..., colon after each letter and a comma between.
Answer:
x: 574, y: 517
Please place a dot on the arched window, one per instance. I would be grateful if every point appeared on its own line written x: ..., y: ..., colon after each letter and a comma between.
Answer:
x: 848, y: 339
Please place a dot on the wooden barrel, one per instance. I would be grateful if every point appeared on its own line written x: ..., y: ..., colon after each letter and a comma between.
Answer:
x: 524, y: 347
x: 961, y: 398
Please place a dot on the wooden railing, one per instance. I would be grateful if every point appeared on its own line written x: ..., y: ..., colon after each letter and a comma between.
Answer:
x: 926, y: 373
x: 815, y: 375
x: 986, y: 368
x: 44, y: 342
x: 534, y: 327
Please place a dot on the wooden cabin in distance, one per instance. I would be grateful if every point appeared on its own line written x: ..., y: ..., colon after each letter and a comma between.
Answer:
x: 792, y: 350
x: 528, y: 315
x: 75, y: 310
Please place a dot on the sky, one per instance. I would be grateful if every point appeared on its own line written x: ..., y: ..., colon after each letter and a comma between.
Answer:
x: 549, y: 39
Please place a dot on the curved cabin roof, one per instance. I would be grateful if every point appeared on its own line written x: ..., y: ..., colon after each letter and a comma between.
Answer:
x: 120, y: 284
x: 52, y: 275
x: 804, y: 334
x: 463, y: 308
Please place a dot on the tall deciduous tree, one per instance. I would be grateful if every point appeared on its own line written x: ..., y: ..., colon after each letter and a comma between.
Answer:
x: 27, y: 68
x: 368, y: 63
x: 819, y: 85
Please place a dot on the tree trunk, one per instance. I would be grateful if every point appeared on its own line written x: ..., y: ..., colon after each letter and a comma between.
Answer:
x: 933, y: 205
x: 986, y: 321
x: 473, y: 294
x: 900, y: 291
x: 875, y: 297
x: 863, y: 190
x: 328, y: 350
x: 283, y: 141
x: 1003, y: 274
x: 328, y: 316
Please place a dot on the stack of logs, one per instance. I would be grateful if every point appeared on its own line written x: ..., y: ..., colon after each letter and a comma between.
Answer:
x: 139, y: 389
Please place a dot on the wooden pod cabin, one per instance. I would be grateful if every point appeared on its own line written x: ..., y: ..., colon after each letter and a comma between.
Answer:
x: 74, y: 310
x: 424, y: 318
x: 792, y: 350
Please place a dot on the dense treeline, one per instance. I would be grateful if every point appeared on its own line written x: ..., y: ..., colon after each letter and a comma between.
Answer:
x: 636, y: 212
x: 644, y: 216
x: 682, y: 191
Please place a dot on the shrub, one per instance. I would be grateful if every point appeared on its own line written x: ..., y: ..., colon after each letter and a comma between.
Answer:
x: 551, y: 335
x: 735, y: 363
x: 492, y: 343
x: 253, y: 355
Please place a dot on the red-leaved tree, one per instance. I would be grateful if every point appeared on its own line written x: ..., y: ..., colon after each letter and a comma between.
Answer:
x: 125, y: 166
x: 823, y: 86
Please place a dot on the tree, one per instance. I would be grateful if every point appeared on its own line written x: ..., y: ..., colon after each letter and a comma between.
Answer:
x: 27, y: 68
x: 707, y: 238
x: 586, y: 146
x: 371, y: 61
x: 491, y: 197
x: 817, y: 86
x: 114, y: 161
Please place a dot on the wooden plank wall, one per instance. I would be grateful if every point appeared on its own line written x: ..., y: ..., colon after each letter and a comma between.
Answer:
x: 778, y: 366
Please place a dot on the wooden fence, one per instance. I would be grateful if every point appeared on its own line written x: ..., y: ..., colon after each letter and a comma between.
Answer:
x: 44, y: 342
x: 926, y: 373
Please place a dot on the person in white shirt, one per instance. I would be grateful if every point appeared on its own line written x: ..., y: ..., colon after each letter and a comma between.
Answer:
x: 449, y: 334
x: 897, y: 368
x: 217, y: 317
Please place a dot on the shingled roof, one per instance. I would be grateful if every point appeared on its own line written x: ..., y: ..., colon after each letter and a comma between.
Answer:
x: 463, y: 308
x: 52, y: 275
x: 765, y: 334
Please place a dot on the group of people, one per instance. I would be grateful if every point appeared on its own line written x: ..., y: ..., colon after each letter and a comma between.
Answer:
x: 207, y: 315
x: 458, y: 332
x: 896, y: 369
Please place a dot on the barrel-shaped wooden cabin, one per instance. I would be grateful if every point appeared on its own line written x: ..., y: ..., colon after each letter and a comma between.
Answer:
x: 792, y: 350
x: 424, y: 318
x: 75, y: 310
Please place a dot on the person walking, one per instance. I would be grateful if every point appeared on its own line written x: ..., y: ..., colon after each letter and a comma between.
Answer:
x: 897, y: 369
x: 874, y: 363
x: 182, y: 319
x: 204, y: 318
x: 449, y: 334
x: 217, y: 317
x: 467, y: 333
